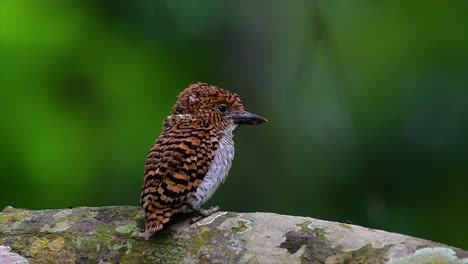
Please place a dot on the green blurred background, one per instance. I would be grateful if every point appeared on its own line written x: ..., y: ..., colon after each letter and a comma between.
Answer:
x: 367, y: 102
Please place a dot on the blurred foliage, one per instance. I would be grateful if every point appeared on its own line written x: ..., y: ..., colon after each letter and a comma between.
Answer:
x: 367, y: 102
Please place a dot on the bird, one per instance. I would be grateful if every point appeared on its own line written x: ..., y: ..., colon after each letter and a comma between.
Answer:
x: 192, y: 155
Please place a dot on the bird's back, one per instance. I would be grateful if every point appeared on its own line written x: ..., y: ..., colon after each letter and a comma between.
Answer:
x: 175, y: 167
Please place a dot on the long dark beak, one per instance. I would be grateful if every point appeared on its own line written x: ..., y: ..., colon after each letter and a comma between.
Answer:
x: 246, y: 118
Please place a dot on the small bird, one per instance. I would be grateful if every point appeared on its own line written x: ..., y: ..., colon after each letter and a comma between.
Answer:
x: 192, y: 155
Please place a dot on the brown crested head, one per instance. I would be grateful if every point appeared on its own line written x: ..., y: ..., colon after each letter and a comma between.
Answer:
x: 213, y: 105
x: 201, y: 99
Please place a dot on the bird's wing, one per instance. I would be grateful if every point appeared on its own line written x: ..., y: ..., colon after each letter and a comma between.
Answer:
x: 175, y: 166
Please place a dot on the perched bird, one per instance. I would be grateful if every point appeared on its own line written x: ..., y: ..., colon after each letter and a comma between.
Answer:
x: 193, y: 154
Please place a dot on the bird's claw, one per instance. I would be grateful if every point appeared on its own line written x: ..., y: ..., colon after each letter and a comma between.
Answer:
x: 208, y: 212
x: 203, y: 213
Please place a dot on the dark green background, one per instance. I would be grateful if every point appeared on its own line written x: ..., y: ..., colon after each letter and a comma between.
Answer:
x: 367, y: 102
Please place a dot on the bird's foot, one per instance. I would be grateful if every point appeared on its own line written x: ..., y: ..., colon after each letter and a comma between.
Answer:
x: 203, y: 213
x: 208, y: 212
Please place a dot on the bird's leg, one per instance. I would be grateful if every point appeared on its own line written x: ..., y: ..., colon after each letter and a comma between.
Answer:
x: 203, y: 212
x: 206, y: 212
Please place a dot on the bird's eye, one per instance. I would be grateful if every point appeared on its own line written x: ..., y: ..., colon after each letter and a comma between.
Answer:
x: 222, y: 108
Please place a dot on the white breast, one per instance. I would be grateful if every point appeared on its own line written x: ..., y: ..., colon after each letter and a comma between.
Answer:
x: 218, y: 170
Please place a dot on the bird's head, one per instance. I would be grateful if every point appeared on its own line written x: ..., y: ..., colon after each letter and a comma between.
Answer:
x: 213, y: 105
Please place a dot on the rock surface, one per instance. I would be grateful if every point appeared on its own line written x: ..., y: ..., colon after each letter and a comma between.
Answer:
x: 111, y: 235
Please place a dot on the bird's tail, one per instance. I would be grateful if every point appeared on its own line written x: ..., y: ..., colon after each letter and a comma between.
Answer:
x: 155, y: 220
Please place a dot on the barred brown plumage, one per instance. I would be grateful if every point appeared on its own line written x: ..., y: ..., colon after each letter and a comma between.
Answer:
x: 193, y: 154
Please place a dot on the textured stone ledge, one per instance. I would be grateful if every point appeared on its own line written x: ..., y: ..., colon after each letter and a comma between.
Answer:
x: 111, y: 235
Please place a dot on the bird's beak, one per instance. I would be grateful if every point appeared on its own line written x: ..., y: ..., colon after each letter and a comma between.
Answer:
x: 246, y: 118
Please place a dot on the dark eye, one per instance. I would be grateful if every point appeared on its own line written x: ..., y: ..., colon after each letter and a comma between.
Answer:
x: 222, y: 108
